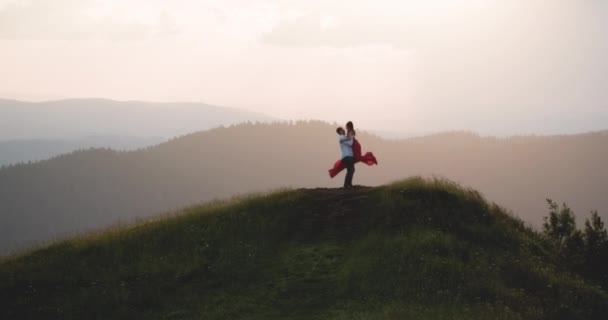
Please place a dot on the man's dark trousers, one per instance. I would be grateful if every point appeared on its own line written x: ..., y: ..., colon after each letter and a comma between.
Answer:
x: 349, y: 162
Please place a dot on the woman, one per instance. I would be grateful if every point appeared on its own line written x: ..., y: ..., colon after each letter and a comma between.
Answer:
x: 350, y: 132
x: 367, y: 158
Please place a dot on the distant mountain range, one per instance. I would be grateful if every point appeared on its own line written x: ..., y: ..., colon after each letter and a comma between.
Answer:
x: 77, y: 118
x: 35, y: 131
x: 94, y: 188
x: 21, y: 151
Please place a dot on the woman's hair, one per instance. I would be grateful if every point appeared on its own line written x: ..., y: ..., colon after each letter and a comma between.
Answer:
x: 350, y: 127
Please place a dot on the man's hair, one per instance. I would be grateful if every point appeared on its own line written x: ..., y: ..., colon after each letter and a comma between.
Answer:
x: 339, y: 129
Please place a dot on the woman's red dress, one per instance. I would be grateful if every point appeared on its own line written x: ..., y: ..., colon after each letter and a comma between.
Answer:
x: 368, y: 158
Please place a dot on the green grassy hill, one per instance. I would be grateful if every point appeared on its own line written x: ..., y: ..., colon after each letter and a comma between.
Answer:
x: 416, y: 249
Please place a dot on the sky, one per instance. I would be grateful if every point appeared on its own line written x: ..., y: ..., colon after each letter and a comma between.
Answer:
x: 491, y: 66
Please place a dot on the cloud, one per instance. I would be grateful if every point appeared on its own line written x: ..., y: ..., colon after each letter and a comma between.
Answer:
x: 315, y: 30
x: 512, y: 55
x: 440, y: 23
x: 358, y: 23
x: 166, y: 25
x: 65, y: 20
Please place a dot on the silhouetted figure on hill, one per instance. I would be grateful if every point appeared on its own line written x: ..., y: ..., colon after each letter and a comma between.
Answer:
x: 351, y: 154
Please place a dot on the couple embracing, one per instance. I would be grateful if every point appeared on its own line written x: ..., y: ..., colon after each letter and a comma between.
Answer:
x: 351, y: 154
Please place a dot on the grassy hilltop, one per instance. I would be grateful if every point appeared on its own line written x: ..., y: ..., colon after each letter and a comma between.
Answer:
x: 416, y: 249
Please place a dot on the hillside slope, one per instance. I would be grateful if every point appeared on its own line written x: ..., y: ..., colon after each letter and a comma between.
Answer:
x: 416, y: 249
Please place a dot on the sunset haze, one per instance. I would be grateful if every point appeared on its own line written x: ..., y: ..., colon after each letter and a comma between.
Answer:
x: 493, y: 67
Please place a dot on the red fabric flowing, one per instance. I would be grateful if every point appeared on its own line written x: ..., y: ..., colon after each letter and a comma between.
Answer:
x: 368, y: 158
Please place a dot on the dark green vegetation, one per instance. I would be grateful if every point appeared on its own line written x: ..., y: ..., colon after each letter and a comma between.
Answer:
x: 583, y: 251
x: 416, y: 249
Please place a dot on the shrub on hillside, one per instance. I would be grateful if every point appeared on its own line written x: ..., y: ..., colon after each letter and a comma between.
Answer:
x: 584, y: 251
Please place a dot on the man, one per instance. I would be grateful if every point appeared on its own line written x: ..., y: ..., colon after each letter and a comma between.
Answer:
x: 348, y: 158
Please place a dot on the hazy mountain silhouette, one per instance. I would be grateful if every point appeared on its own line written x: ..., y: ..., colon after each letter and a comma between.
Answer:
x: 17, y: 151
x: 38, y: 131
x: 89, y: 189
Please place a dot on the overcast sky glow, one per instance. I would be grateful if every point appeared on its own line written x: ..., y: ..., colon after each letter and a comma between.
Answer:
x: 492, y: 66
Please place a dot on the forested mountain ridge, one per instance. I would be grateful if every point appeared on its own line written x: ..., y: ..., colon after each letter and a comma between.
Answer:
x: 95, y: 188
